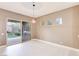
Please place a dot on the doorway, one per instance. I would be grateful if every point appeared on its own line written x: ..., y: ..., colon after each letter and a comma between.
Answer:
x: 26, y: 35
x: 17, y: 32
x: 13, y: 32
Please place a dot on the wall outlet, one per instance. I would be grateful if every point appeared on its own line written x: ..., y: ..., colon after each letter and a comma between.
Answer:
x: 61, y: 42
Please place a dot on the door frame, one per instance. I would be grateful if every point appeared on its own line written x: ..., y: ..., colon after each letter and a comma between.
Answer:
x: 6, y: 27
x: 19, y: 20
x: 29, y: 26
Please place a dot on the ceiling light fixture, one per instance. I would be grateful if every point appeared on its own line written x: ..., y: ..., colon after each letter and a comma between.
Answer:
x: 33, y: 20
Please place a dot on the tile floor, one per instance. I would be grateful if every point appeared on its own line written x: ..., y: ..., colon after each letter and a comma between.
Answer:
x: 36, y: 48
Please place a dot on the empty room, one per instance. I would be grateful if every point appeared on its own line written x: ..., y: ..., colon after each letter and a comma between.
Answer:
x: 39, y: 28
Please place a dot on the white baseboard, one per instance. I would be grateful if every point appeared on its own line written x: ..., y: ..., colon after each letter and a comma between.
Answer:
x: 58, y: 45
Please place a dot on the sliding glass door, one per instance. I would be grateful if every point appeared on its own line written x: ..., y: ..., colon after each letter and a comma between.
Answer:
x: 13, y: 32
x: 17, y: 32
x: 26, y: 35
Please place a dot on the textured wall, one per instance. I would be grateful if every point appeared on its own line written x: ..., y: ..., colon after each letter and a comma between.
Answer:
x: 76, y: 26
x: 61, y: 34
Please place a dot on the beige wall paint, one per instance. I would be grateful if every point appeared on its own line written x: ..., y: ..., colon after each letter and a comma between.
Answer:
x: 76, y: 26
x: 4, y: 15
x: 65, y: 34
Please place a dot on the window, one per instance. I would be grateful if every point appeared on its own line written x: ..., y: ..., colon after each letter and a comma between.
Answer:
x: 59, y: 20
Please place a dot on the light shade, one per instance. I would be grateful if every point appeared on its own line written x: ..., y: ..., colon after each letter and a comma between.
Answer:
x: 33, y: 21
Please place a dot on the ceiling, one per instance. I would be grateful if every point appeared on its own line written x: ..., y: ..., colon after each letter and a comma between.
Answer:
x: 41, y: 8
